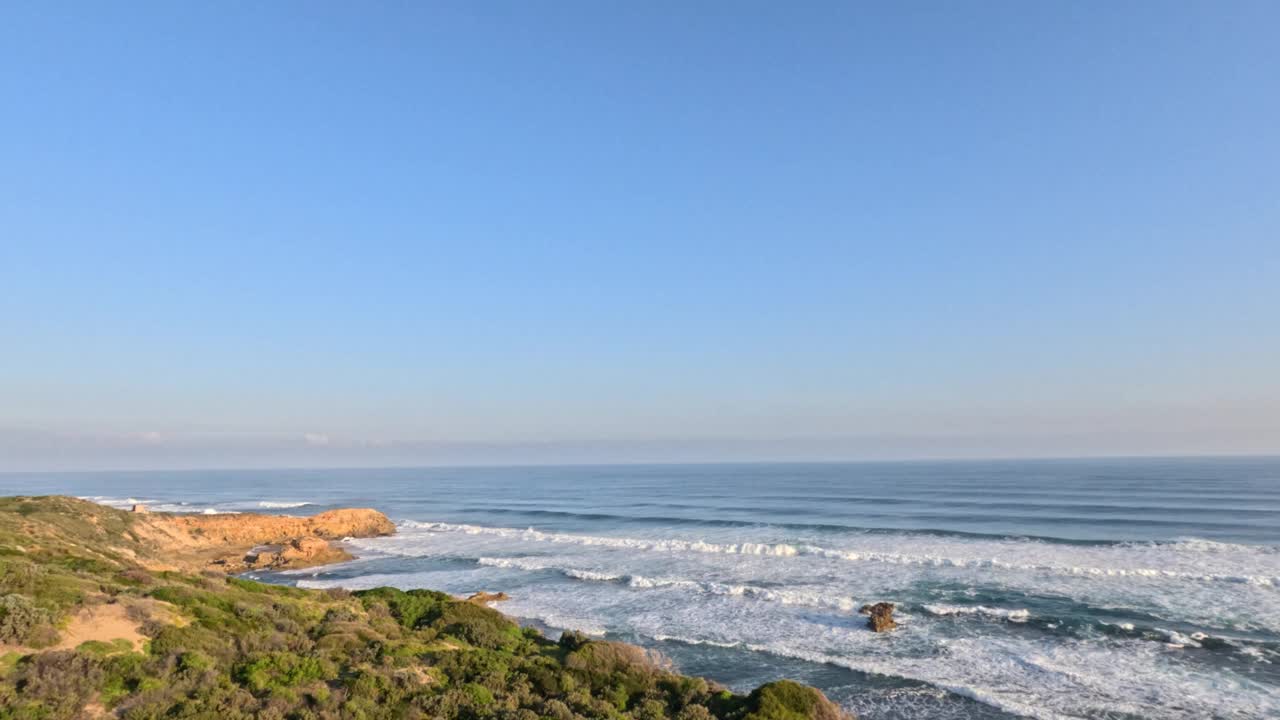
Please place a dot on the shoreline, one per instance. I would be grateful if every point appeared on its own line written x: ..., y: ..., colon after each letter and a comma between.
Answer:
x: 109, y: 613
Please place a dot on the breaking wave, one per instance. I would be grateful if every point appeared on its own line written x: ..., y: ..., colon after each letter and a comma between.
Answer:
x: 781, y: 596
x: 1018, y: 615
x: 865, y: 556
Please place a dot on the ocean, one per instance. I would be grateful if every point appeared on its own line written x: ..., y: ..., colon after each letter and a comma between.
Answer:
x: 1134, y: 588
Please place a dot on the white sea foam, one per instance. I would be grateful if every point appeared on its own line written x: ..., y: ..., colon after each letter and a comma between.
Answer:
x: 1256, y: 653
x: 1038, y: 681
x: 910, y: 701
x: 1176, y: 639
x: 116, y: 502
x: 282, y: 504
x: 1018, y: 615
x: 760, y: 598
x: 1202, y: 545
x: 677, y: 545
x: 155, y: 505
x: 712, y: 643
x: 1171, y: 581
x: 777, y: 595
x: 563, y: 623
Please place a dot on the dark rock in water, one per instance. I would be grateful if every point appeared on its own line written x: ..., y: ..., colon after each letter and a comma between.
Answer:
x: 880, y: 616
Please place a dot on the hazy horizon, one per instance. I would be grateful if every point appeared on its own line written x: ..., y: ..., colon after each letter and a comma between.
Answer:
x: 707, y: 463
x: 557, y: 457
x: 294, y: 235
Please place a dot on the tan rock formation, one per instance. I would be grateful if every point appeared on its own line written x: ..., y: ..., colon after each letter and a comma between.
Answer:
x: 263, y: 529
x: 879, y: 616
x: 237, y: 542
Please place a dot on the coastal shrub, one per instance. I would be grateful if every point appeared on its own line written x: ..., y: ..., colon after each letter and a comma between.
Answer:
x: 195, y: 662
x: 57, y: 684
x: 557, y: 710
x: 173, y: 641
x: 50, y: 587
x: 600, y: 658
x: 20, y: 576
x: 625, y: 676
x: 82, y: 564
x: 101, y: 648
x: 478, y: 693
x: 694, y: 712
x: 280, y: 670
x: 254, y: 586
x: 546, y: 677
x: 476, y: 665
x: 572, y: 640
x: 180, y: 596
x: 477, y: 625
x: 341, y: 614
x: 122, y: 674
x: 412, y: 609
x: 135, y: 577
x: 23, y: 623
x: 651, y: 709
x: 682, y: 691
x: 789, y: 700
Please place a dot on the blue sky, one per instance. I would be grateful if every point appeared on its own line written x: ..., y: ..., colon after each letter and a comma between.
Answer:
x: 386, y: 233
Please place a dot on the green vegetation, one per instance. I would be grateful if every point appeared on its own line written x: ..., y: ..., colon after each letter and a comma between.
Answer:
x: 230, y: 648
x: 24, y: 623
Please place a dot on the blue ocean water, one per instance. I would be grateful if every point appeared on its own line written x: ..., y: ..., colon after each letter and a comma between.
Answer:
x: 1047, y: 589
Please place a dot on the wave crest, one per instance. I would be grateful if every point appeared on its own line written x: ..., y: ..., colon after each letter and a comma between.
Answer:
x: 871, y: 556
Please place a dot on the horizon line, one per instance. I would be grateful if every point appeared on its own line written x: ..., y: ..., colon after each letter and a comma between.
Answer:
x: 481, y: 466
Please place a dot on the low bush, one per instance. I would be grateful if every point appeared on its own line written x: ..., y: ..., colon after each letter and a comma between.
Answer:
x: 277, y: 670
x: 478, y: 626
x: 789, y: 700
x: 22, y: 622
x: 412, y: 609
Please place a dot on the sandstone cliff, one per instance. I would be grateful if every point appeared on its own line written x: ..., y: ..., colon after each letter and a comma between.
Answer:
x: 239, y: 542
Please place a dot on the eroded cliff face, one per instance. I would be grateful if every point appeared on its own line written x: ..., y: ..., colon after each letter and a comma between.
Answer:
x: 251, y: 528
x: 239, y: 542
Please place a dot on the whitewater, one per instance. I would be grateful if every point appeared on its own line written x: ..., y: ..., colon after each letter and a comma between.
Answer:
x: 1042, y: 589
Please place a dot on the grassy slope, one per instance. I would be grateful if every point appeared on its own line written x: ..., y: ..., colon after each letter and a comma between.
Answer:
x: 225, y: 648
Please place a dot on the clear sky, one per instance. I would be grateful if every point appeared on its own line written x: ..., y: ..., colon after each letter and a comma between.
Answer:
x: 287, y: 233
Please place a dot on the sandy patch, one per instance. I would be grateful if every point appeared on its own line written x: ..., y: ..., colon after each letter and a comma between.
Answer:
x: 103, y: 623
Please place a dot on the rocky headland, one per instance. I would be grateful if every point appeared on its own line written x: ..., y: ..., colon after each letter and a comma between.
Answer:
x: 250, y: 541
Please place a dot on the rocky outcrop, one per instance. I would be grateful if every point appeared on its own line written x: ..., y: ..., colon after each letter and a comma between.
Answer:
x: 484, y: 598
x: 879, y: 616
x: 299, y: 552
x: 240, y: 528
x: 249, y: 541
